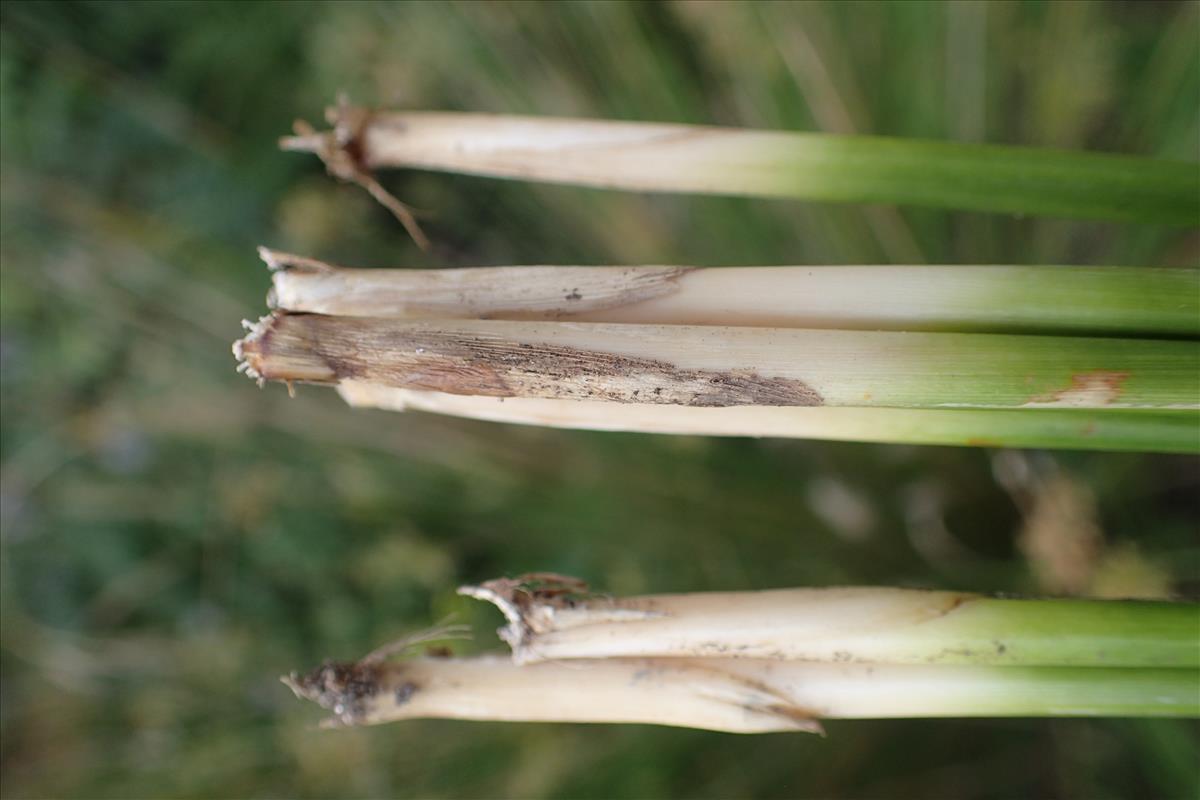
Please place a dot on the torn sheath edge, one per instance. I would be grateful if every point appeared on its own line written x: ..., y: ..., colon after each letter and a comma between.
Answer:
x: 712, y: 695
x: 543, y: 602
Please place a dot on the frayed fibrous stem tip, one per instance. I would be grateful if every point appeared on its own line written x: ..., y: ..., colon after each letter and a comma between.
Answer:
x: 343, y: 152
x: 247, y: 350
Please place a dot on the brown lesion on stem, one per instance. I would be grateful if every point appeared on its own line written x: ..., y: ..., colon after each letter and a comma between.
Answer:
x: 528, y: 602
x: 761, y: 698
x: 315, y: 348
x: 342, y: 149
x: 349, y: 688
x: 1095, y: 388
x: 345, y: 688
x: 533, y: 604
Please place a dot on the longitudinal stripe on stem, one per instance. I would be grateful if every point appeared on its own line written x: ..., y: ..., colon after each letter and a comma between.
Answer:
x: 550, y: 617
x: 725, y: 366
x: 995, y: 299
x: 747, y: 696
x: 655, y: 157
x: 1089, y: 429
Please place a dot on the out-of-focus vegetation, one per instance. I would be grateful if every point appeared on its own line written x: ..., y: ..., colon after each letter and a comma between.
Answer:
x: 174, y: 538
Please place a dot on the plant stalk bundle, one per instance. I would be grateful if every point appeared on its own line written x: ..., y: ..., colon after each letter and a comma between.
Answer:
x: 941, y: 355
x: 783, y: 660
x: 653, y: 157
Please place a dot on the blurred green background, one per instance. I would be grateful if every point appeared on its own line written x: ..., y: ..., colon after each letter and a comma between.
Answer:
x: 173, y: 538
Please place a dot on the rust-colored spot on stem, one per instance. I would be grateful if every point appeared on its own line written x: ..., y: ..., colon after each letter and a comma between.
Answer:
x: 1100, y: 387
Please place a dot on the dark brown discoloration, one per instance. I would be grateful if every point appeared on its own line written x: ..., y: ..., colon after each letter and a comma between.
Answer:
x: 316, y: 348
x: 541, y: 589
x: 405, y: 692
x: 345, y: 688
x: 524, y: 600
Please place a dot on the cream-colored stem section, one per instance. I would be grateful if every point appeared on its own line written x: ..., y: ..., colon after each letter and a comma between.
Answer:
x: 745, y: 696
x: 801, y: 422
x: 681, y: 693
x: 978, y: 298
x: 1168, y: 432
x: 840, y: 624
x: 658, y: 157
x: 852, y: 624
x: 632, y: 156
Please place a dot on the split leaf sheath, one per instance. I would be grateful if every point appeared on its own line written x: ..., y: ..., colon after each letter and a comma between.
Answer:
x: 875, y: 625
x: 654, y: 157
x: 1090, y: 429
x: 782, y: 660
x: 717, y: 366
x: 746, y: 696
x: 1116, y: 301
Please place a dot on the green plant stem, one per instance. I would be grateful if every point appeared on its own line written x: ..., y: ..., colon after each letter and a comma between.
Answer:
x: 1124, y: 301
x: 856, y: 624
x: 1079, y: 429
x: 738, y: 696
x: 728, y: 161
x: 684, y: 365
